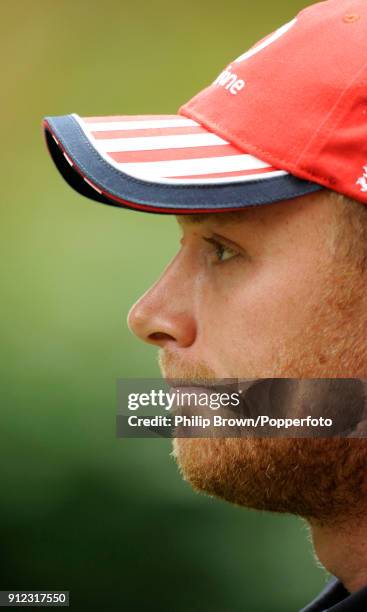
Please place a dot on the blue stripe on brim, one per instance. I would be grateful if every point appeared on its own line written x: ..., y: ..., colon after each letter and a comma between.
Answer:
x: 120, y: 189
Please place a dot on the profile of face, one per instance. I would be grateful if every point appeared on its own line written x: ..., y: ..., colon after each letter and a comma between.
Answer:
x: 268, y: 292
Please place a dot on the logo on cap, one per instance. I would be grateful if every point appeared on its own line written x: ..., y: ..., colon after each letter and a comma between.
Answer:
x: 230, y: 80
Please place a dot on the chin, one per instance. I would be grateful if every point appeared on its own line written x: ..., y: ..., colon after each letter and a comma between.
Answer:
x: 229, y: 468
x: 318, y: 479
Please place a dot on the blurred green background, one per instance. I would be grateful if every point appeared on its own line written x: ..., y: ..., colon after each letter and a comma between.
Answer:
x: 111, y: 519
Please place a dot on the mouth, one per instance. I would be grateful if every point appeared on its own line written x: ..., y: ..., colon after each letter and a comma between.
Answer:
x: 229, y: 396
x: 202, y: 382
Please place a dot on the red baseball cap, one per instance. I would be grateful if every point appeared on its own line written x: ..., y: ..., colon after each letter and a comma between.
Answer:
x: 285, y: 119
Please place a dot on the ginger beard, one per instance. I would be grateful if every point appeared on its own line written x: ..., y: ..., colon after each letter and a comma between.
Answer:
x: 320, y: 479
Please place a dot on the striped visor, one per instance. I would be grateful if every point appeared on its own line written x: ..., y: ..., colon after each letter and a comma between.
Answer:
x: 164, y: 164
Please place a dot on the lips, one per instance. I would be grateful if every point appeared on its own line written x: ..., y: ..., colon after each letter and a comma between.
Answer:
x: 205, y: 383
x: 254, y: 396
x: 202, y: 386
x: 223, y: 395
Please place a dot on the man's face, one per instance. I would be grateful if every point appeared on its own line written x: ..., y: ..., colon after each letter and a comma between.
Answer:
x: 265, y: 293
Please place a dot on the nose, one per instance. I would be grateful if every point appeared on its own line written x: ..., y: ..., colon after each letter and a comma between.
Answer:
x: 164, y: 314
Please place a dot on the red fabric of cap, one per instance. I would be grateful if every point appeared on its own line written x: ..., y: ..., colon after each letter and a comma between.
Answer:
x: 298, y: 99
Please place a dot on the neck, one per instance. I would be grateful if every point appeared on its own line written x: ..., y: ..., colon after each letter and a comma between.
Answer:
x: 342, y: 550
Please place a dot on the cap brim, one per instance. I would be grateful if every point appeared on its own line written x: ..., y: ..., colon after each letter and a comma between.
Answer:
x: 163, y: 164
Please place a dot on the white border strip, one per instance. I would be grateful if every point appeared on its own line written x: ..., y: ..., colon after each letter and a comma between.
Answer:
x: 151, y: 143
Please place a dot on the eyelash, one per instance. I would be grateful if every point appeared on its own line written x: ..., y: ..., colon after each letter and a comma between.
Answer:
x: 219, y: 248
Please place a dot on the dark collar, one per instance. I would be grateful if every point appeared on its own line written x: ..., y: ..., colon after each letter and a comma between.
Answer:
x: 335, y: 598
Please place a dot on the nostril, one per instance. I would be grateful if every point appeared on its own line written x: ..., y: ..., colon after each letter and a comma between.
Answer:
x: 159, y: 336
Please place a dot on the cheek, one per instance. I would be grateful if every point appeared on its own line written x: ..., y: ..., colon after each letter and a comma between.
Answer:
x: 247, y: 315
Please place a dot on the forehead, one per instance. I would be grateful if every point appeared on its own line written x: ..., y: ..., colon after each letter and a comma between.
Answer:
x: 313, y: 207
x: 264, y: 216
x: 224, y: 218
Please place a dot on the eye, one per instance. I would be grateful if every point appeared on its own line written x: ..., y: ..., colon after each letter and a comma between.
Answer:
x: 222, y: 251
